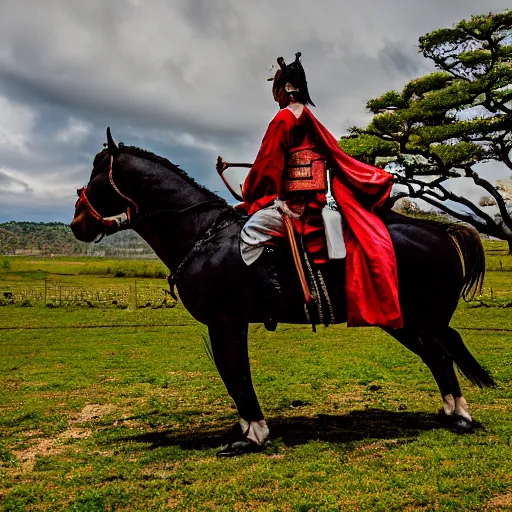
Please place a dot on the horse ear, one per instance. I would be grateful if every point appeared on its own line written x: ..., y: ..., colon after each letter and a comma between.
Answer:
x: 112, y: 148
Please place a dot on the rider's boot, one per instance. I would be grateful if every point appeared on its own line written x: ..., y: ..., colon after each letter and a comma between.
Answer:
x: 266, y: 278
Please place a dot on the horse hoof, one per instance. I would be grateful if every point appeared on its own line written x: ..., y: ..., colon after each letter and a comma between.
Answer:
x: 270, y: 324
x: 463, y: 426
x: 239, y: 448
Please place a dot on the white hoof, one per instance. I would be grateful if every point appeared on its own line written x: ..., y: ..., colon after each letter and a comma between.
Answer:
x: 462, y: 409
x: 448, y: 405
x: 257, y: 431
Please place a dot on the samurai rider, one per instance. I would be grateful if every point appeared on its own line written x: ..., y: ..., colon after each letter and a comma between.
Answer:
x: 298, y: 161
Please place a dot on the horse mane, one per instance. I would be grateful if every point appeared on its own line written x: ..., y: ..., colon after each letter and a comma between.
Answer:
x: 164, y: 162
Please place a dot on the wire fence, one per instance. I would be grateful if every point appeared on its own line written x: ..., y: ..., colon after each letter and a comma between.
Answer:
x: 133, y: 294
x: 136, y: 294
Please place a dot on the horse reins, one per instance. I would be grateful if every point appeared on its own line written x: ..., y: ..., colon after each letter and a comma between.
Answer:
x: 116, y: 188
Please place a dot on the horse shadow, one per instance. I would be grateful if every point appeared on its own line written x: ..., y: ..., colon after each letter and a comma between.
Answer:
x: 344, y: 430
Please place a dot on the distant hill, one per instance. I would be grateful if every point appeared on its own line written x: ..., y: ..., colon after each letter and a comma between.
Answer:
x: 56, y: 238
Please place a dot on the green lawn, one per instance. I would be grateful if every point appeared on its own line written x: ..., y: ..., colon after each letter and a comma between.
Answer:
x: 58, y: 267
x: 110, y: 409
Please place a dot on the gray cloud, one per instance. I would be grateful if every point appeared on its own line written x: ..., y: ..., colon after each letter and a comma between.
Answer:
x: 185, y: 79
x: 11, y: 185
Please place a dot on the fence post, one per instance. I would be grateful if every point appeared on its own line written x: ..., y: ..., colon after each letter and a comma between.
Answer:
x: 135, y: 287
x: 45, y: 290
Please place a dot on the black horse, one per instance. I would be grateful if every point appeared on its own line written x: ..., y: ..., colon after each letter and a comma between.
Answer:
x: 196, y: 234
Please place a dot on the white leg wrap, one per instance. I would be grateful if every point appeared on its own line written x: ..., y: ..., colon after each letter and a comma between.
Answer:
x: 448, y: 405
x: 244, y: 424
x: 462, y: 409
x: 257, y: 431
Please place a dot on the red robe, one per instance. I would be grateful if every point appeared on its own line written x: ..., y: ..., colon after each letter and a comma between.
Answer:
x: 359, y: 189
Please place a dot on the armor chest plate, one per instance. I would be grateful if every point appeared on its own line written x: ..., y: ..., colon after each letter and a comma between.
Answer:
x: 305, y: 171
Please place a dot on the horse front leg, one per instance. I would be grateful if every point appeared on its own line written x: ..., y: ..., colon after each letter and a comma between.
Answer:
x: 231, y: 356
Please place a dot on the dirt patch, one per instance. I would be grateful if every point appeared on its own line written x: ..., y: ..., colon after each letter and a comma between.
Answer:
x: 54, y: 446
x: 92, y: 412
x: 375, y: 450
x: 75, y: 433
x: 383, y: 445
x: 27, y: 457
x: 172, y: 503
x: 35, y: 384
x: 377, y: 445
x: 504, y: 502
x: 46, y: 447
x: 186, y: 374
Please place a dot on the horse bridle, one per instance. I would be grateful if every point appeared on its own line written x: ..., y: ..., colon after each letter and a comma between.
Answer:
x: 123, y: 220
x: 116, y: 222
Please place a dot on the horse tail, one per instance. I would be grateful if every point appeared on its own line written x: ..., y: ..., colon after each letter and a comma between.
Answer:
x: 452, y: 342
x: 472, y: 256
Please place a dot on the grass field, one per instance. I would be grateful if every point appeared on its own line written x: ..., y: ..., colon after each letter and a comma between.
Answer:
x: 110, y: 409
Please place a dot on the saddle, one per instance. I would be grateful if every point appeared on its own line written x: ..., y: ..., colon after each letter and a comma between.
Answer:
x: 325, y: 284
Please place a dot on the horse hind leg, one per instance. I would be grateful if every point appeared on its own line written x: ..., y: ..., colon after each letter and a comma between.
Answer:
x: 440, y: 363
x: 468, y: 365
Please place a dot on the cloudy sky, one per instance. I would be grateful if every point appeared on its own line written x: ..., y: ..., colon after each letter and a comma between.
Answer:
x: 185, y: 79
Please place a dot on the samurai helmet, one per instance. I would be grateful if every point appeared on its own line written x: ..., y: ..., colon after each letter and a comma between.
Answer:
x: 293, y: 78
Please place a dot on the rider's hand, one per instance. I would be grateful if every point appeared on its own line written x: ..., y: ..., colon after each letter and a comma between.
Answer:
x: 293, y: 212
x: 221, y: 166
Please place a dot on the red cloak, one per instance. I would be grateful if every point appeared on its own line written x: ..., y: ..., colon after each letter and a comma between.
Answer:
x: 360, y: 190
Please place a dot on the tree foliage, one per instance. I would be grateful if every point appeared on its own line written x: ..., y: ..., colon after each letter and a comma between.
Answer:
x: 440, y: 126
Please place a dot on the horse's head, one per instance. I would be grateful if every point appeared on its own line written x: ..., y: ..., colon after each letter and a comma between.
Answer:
x: 99, y: 204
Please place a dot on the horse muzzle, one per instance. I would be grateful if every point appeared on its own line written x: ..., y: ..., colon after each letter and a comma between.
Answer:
x: 88, y: 224
x: 86, y: 228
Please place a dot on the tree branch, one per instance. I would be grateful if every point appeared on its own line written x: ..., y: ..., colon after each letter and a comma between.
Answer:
x: 426, y: 190
x: 503, y: 150
x: 465, y: 217
x: 449, y: 68
x: 383, y: 136
x: 502, y: 205
x: 502, y: 106
x: 466, y: 202
x: 402, y: 142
